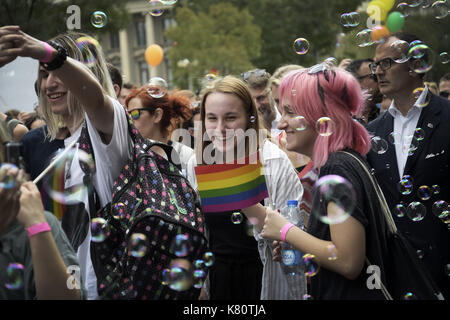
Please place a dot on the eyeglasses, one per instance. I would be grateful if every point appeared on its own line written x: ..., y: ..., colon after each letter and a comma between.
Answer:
x: 136, y: 113
x: 257, y: 73
x: 384, y: 64
x: 370, y: 75
x: 444, y: 94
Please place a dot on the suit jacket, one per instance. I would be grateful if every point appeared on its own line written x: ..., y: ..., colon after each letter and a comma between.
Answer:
x: 428, y: 166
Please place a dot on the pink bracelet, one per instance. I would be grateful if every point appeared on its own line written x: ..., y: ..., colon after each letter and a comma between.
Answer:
x: 49, y: 53
x: 38, y: 228
x: 285, y: 230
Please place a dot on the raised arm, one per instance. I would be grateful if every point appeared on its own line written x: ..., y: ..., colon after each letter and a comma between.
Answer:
x: 73, y: 74
x: 50, y: 272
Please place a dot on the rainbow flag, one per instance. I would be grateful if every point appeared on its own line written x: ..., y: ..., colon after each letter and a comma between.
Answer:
x: 227, y: 187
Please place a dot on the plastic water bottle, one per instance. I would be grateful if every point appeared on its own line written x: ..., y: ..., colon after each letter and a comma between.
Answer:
x: 292, y: 259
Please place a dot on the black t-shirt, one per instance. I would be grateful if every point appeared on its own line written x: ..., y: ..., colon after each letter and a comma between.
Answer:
x: 227, y: 238
x: 329, y: 285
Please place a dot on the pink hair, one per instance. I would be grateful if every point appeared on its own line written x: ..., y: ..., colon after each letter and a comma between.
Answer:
x: 342, y: 98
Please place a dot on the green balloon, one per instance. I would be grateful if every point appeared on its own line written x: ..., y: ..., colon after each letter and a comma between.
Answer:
x: 395, y: 21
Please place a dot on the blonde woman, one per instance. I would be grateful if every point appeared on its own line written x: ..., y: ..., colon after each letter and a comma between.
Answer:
x: 74, y: 87
x: 243, y: 267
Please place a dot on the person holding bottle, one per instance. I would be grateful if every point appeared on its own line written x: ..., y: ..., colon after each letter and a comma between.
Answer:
x: 243, y: 268
x: 325, y: 91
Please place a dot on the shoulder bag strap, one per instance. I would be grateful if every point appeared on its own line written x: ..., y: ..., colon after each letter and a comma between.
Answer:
x: 386, y: 213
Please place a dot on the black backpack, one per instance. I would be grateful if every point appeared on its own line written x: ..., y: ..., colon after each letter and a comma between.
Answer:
x: 155, y: 242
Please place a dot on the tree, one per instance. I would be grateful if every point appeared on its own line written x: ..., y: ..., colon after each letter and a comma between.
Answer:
x: 223, y: 38
x: 44, y: 19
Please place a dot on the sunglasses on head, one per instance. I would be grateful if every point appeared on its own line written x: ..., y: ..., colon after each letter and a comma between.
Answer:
x: 257, y: 73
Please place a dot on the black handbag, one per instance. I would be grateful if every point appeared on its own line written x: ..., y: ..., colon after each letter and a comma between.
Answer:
x: 406, y: 276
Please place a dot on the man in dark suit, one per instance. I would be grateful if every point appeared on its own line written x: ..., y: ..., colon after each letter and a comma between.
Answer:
x: 416, y: 129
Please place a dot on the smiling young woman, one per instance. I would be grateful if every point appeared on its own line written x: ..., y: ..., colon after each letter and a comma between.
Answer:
x: 243, y: 268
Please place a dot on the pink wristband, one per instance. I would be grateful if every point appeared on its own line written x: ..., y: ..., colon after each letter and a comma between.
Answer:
x: 38, y: 228
x: 285, y: 230
x: 49, y: 53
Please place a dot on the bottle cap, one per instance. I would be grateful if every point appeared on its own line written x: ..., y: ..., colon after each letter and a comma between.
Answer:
x: 292, y: 203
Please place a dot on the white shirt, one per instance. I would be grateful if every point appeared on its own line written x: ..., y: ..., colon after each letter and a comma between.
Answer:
x: 283, y: 184
x: 404, y: 128
x: 274, y: 131
x: 109, y: 161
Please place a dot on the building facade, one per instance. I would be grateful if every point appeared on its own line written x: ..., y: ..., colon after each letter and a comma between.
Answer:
x: 126, y: 49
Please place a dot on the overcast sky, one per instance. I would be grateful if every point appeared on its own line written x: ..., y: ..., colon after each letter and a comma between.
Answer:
x: 17, y: 85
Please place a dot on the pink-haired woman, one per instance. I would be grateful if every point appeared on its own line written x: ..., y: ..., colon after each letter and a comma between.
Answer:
x: 336, y: 242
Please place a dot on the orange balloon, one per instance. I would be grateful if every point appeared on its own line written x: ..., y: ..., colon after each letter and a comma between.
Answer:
x: 379, y: 32
x: 154, y: 54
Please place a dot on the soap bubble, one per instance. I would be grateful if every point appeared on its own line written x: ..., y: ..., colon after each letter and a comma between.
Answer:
x: 400, y: 49
x: 405, y: 185
x: 440, y: 9
x: 415, y: 3
x: 424, y: 193
x: 209, y: 259
x: 400, y: 210
x: 99, y: 230
x: 157, y: 87
x: 364, y: 38
x: 350, y: 20
x: 404, y: 9
x: 423, y: 58
x: 137, y: 245
x: 300, y: 123
x: 444, y: 57
x: 181, y: 276
x: 379, y: 145
x: 156, y: 8
x: 199, y: 278
x: 99, y: 19
x: 55, y: 182
x: 181, y: 245
x: 301, y: 46
x: 336, y: 189
x: 89, y: 48
x: 14, y: 276
x: 237, y: 217
x: 440, y: 209
x: 311, y: 265
x: 325, y: 127
x: 416, y: 211
x: 409, y: 296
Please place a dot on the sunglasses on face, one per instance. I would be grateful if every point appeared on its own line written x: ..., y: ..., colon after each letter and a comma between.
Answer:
x: 384, y: 64
x: 257, y: 73
x: 136, y: 113
x: 444, y: 94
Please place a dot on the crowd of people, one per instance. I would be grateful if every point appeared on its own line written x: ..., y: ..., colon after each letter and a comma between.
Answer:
x: 310, y: 122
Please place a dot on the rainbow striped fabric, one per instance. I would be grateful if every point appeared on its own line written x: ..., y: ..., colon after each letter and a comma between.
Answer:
x: 227, y: 187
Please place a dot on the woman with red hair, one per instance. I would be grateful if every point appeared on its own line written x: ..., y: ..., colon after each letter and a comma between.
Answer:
x: 344, y: 226
x: 156, y: 116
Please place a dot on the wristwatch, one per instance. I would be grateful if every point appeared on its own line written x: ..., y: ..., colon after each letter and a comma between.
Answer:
x: 58, y: 61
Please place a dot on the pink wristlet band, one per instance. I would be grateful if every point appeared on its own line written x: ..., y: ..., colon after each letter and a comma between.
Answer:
x: 285, y: 230
x: 48, y: 55
x: 38, y: 228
